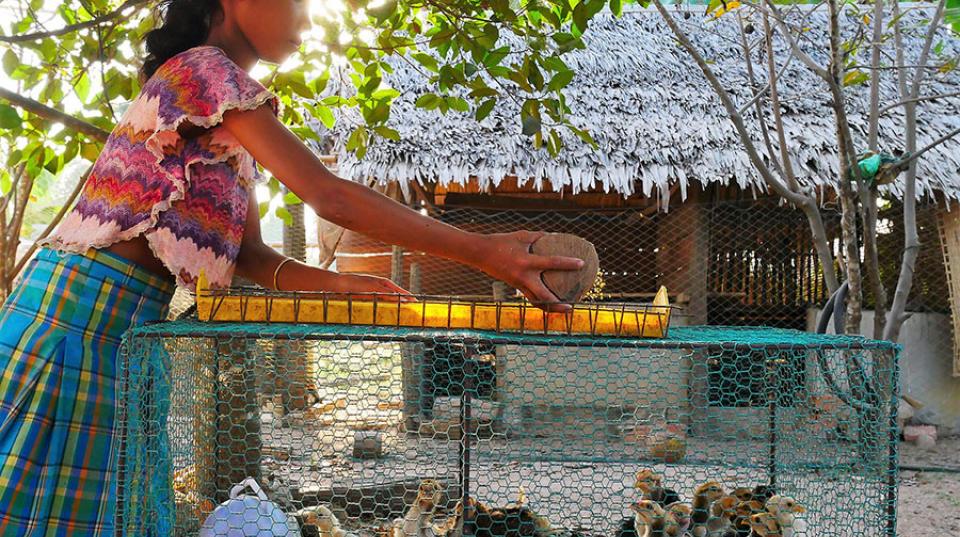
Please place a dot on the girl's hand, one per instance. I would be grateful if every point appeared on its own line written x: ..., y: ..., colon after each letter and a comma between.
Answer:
x: 361, y: 285
x: 508, y: 259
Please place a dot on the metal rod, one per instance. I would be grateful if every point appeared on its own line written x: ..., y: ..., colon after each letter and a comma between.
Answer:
x: 465, y: 428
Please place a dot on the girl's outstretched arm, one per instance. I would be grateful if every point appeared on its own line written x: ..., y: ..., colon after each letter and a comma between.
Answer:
x: 258, y: 262
x: 505, y: 257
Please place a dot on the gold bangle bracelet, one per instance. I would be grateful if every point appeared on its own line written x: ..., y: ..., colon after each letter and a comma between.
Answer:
x: 276, y: 271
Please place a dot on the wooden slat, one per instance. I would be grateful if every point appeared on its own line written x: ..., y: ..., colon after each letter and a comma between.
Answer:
x: 950, y: 243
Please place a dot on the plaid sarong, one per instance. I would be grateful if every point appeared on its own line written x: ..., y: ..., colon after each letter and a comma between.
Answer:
x: 60, y: 332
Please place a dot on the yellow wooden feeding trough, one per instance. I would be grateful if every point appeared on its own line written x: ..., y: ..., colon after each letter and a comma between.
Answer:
x: 600, y: 319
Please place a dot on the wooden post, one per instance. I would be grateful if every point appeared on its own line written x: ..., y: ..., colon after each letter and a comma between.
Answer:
x: 684, y: 255
x: 414, y: 278
x: 500, y: 291
x: 396, y: 265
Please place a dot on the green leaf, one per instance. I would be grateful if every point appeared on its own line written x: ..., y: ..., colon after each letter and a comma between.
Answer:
x: 531, y: 125
x: 264, y: 206
x: 585, y: 136
x: 10, y: 62
x: 427, y: 61
x: 485, y: 108
x: 387, y: 133
x: 291, y: 199
x: 457, y: 103
x: 554, y: 143
x: 429, y: 101
x: 580, y: 17
x: 325, y: 115
x: 9, y: 118
x: 854, y: 78
x: 495, y: 56
x: 616, y: 7
x: 284, y: 215
x: 83, y: 87
x: 560, y: 80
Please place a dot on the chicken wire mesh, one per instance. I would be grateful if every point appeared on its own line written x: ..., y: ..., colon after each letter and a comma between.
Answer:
x: 402, y: 432
x: 726, y: 263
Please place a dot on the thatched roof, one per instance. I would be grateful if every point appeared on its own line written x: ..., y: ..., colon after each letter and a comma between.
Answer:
x: 655, y: 118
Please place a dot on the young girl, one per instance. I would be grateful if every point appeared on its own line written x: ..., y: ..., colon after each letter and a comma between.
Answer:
x: 170, y: 196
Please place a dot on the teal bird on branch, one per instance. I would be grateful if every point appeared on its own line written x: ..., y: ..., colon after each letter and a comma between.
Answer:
x: 880, y: 168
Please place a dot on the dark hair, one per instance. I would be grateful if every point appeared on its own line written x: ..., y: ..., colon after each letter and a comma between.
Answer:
x: 186, y: 24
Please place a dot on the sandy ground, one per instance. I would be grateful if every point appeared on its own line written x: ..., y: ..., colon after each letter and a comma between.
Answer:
x: 930, y: 501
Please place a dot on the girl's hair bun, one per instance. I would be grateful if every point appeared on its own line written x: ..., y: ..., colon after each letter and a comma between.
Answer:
x: 186, y: 24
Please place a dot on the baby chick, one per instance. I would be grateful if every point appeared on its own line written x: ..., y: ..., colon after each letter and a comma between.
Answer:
x: 762, y: 493
x: 744, y: 494
x: 319, y: 521
x: 650, y: 485
x: 765, y: 525
x: 678, y: 519
x: 785, y: 509
x: 745, y: 510
x: 703, y: 497
x: 651, y: 517
x: 722, y: 512
x: 418, y: 522
x: 512, y: 520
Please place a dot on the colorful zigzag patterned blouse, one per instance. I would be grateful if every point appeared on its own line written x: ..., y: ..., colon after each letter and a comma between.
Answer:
x: 187, y: 196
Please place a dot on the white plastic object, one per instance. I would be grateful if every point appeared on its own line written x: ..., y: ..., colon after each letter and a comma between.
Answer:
x: 246, y: 515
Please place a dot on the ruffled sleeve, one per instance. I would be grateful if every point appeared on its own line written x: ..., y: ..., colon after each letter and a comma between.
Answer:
x: 198, y: 87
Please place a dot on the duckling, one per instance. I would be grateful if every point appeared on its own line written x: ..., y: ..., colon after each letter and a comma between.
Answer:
x: 722, y: 512
x: 678, y: 519
x: 651, y: 517
x: 418, y: 522
x: 650, y: 485
x: 745, y: 510
x: 703, y: 497
x: 765, y: 525
x: 785, y: 509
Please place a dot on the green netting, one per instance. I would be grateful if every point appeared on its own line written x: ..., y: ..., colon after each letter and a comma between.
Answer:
x: 355, y: 422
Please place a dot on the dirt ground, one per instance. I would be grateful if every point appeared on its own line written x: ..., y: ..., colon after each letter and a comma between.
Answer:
x: 930, y: 501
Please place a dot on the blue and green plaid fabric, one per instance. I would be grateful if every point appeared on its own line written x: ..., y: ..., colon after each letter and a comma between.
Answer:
x: 60, y: 332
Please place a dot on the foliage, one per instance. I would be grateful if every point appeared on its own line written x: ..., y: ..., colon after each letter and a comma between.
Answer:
x: 80, y: 58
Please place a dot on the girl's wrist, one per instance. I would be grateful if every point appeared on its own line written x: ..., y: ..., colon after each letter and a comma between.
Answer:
x: 477, y: 250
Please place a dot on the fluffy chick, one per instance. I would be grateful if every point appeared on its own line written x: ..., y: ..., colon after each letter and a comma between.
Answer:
x: 678, y: 519
x: 650, y: 485
x: 703, y: 497
x: 745, y: 510
x: 765, y: 525
x: 651, y: 517
x: 785, y: 509
x: 319, y: 521
x: 418, y: 521
x: 722, y: 512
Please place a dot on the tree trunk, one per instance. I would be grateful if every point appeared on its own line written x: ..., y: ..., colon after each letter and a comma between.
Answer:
x: 292, y: 358
x: 911, y: 240
x: 868, y: 215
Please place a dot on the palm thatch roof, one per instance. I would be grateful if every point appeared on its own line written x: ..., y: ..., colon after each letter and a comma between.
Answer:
x: 656, y: 120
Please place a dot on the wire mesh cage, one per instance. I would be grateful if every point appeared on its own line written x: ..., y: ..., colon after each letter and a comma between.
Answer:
x: 408, y: 432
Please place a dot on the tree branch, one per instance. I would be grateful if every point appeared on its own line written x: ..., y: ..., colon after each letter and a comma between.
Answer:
x: 96, y: 21
x: 888, y: 108
x: 911, y: 238
x: 67, y: 205
x: 53, y: 114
